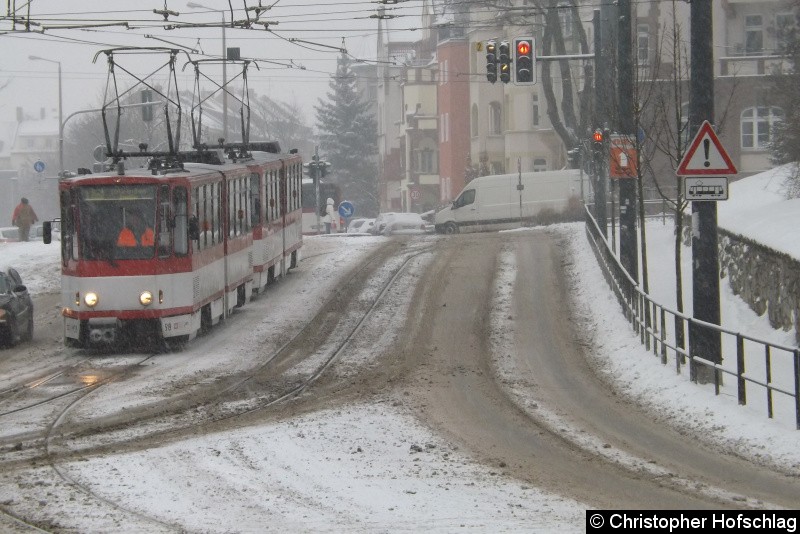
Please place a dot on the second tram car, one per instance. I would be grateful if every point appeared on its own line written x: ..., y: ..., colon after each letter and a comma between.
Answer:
x: 164, y: 255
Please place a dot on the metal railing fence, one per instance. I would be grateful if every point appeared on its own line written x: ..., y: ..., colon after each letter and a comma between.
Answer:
x: 758, y: 366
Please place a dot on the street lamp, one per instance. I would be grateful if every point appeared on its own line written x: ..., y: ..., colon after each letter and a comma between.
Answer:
x: 195, y: 5
x: 60, y: 110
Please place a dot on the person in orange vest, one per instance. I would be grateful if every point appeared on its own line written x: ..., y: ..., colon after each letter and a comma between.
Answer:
x: 136, y: 232
x: 23, y: 217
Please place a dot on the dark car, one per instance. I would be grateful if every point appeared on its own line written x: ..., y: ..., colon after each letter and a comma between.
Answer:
x: 16, y: 309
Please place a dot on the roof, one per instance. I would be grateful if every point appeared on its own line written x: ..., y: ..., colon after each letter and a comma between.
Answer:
x: 38, y: 128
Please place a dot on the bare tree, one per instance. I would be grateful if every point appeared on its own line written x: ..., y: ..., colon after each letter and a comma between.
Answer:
x: 570, y: 120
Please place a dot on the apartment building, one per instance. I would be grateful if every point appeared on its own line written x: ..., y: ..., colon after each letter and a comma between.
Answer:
x: 505, y: 127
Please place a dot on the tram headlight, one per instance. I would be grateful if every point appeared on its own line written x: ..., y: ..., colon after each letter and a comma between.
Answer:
x: 146, y: 298
x: 90, y: 299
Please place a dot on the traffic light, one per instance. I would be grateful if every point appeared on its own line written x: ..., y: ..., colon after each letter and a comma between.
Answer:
x: 597, y: 142
x: 524, y: 61
x: 491, y: 61
x: 504, y: 60
x: 574, y: 158
x: 317, y: 168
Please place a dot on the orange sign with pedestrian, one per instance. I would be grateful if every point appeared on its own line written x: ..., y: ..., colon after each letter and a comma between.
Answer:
x: 622, y: 158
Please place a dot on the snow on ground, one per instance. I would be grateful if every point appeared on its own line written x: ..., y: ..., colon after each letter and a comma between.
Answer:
x: 373, y: 467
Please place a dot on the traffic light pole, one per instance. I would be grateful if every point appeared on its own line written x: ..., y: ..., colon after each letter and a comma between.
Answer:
x: 315, y: 177
x: 599, y: 106
x: 628, y: 244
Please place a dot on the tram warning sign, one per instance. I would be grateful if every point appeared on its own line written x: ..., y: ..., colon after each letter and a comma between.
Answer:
x: 706, y: 188
x: 706, y: 156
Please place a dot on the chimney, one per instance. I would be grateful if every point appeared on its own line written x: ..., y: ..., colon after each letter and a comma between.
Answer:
x: 20, y: 116
x: 41, y: 112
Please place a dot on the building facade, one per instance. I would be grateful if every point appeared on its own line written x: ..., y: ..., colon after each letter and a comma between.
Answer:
x: 504, y: 127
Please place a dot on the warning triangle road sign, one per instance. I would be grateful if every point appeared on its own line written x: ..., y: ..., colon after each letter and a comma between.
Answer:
x: 706, y: 156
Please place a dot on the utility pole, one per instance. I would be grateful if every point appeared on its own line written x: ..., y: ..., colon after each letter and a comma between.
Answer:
x: 628, y: 246
x: 703, y: 342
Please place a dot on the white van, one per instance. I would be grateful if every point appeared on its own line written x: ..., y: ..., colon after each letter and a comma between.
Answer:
x: 493, y: 202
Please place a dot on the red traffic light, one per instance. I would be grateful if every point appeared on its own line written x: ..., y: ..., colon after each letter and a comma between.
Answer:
x: 524, y: 48
x: 598, y: 136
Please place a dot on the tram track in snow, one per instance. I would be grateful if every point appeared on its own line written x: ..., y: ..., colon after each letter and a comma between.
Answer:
x: 58, y: 430
x: 231, y: 399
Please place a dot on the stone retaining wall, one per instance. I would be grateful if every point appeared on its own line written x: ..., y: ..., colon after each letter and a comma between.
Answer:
x: 767, y: 280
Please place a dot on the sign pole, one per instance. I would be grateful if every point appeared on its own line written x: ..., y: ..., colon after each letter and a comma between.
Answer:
x: 703, y: 342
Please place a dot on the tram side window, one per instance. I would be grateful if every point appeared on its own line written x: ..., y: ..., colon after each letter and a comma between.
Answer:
x: 164, y: 222
x: 271, y: 195
x: 69, y: 241
x: 245, y: 207
x: 298, y: 177
x: 293, y: 187
x: 180, y: 221
x: 205, y: 206
x: 236, y: 207
x: 255, y: 199
x: 265, y: 196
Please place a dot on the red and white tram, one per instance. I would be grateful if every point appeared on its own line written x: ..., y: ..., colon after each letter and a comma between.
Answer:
x: 217, y: 233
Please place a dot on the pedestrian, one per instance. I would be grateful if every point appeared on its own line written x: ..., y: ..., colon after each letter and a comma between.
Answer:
x: 23, y: 218
x: 330, y: 216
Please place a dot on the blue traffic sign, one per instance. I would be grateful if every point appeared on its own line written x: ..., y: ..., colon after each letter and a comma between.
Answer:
x: 39, y: 166
x: 346, y: 209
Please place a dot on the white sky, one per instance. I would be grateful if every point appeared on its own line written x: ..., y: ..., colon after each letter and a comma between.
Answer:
x: 353, y: 468
x: 34, y: 84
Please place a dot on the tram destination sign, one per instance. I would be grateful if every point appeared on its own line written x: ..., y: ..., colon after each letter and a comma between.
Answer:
x: 706, y: 188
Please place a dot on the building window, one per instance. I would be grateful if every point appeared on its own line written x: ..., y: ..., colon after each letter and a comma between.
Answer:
x: 425, y: 161
x: 535, y: 109
x: 784, y: 28
x: 565, y: 16
x: 474, y: 120
x: 539, y: 165
x: 495, y: 119
x: 753, y: 35
x: 642, y: 44
x: 757, y: 124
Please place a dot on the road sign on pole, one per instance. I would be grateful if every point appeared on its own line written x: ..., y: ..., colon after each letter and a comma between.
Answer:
x: 622, y: 157
x: 711, y: 188
x: 706, y: 155
x: 39, y: 166
x: 346, y: 209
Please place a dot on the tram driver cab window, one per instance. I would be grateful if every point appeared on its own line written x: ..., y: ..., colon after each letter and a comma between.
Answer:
x: 136, y: 231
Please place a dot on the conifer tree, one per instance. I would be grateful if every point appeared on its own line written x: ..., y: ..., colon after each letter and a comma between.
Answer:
x: 348, y: 139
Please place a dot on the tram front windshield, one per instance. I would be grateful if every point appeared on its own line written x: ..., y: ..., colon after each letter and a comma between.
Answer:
x: 117, y: 221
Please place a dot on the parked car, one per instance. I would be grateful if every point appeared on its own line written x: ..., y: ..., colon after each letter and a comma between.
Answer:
x: 16, y: 309
x: 405, y: 223
x: 9, y: 234
x: 380, y: 222
x: 360, y: 226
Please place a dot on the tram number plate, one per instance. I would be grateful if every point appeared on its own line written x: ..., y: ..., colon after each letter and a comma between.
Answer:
x: 175, y: 326
x: 72, y: 328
